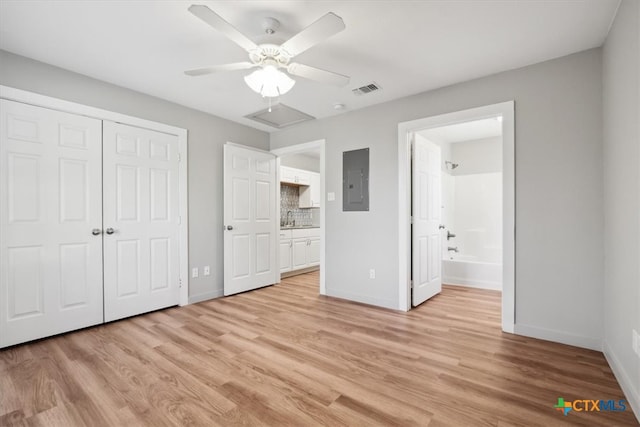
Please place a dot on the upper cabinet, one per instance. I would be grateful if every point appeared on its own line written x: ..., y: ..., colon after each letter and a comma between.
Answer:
x: 309, y: 182
x: 294, y: 176
x: 311, y: 196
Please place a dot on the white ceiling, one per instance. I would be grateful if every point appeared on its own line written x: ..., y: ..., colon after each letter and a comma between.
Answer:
x: 406, y: 47
x: 467, y: 131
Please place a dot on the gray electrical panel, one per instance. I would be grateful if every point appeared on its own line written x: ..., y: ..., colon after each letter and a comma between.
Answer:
x: 355, y: 180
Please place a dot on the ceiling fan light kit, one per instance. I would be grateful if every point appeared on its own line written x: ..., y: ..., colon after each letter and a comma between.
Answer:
x: 268, y: 80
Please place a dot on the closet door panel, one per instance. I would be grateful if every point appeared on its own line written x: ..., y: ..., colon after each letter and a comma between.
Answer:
x: 50, y: 202
x: 141, y: 207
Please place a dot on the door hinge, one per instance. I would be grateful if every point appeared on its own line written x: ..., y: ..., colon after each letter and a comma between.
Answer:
x: 411, y: 220
x: 179, y: 282
x: 179, y: 220
x: 179, y: 157
x: 411, y: 283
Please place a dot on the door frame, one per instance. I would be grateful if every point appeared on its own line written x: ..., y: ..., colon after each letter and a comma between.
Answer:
x: 49, y: 102
x: 405, y: 129
x: 298, y: 149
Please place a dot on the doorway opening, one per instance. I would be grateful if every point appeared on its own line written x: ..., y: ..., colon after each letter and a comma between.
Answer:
x: 301, y: 209
x: 463, y: 163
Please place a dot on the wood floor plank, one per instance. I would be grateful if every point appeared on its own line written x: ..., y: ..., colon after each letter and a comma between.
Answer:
x: 285, y: 356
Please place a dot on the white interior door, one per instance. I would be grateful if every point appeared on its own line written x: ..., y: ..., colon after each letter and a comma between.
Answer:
x: 426, y: 211
x: 51, y: 202
x: 251, y: 225
x: 141, y: 219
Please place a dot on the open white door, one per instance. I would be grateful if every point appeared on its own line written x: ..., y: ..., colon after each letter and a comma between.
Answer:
x: 251, y: 226
x: 426, y: 208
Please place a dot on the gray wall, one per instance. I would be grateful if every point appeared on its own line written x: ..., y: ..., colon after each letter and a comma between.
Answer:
x: 207, y: 134
x: 621, y: 96
x: 559, y: 212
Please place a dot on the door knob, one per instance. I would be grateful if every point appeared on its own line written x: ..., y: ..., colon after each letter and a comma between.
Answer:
x: 96, y: 231
x: 229, y: 227
x: 110, y: 231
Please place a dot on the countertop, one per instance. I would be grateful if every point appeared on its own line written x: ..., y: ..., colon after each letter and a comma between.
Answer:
x: 298, y: 227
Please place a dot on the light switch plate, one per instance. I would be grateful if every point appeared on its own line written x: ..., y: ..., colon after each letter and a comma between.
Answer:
x: 206, y: 271
x: 331, y: 197
x: 194, y: 272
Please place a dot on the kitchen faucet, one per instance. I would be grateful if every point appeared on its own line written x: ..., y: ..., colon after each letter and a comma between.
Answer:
x: 288, y: 221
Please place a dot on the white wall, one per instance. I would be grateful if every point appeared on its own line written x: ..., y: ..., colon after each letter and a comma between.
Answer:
x: 477, y: 197
x: 621, y: 96
x: 477, y: 217
x: 207, y: 134
x: 477, y: 156
x: 559, y: 213
x: 301, y: 161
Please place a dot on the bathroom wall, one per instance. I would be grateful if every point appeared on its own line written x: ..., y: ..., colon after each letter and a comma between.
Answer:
x: 477, y: 199
x: 477, y: 156
x: 477, y: 217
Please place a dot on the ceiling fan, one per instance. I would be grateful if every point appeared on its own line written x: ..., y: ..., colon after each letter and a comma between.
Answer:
x: 269, y: 80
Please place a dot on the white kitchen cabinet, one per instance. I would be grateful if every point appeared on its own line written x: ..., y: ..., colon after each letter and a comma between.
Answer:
x: 286, y: 251
x: 313, y: 251
x: 316, y: 194
x: 310, y: 196
x: 300, y: 253
x: 306, y: 248
x: 294, y: 176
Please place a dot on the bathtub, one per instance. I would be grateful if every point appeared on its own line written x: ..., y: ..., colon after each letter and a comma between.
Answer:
x: 467, y: 271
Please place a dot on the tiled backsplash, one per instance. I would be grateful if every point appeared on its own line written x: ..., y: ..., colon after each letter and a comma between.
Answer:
x: 289, y: 202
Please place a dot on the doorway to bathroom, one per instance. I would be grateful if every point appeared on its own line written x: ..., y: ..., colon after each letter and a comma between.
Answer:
x: 456, y: 205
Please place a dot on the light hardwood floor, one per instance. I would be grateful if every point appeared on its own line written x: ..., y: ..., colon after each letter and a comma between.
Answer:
x: 283, y: 356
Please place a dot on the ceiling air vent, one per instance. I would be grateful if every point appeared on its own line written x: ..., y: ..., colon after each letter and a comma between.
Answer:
x: 371, y: 87
x: 280, y: 116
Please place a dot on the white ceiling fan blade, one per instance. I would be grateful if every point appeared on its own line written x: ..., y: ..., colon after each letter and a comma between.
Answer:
x: 218, y: 68
x: 320, y: 30
x: 313, y: 73
x: 216, y: 21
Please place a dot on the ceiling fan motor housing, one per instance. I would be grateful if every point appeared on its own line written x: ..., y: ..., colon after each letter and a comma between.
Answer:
x: 269, y: 53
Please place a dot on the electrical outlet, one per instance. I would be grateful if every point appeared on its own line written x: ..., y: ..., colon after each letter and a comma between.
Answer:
x: 331, y: 197
x: 635, y: 341
x: 194, y: 272
x: 372, y: 273
x: 206, y: 271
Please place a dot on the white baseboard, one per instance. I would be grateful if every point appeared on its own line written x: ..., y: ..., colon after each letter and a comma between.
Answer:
x: 630, y: 391
x: 206, y: 296
x: 557, y: 336
x: 479, y: 284
x: 365, y: 299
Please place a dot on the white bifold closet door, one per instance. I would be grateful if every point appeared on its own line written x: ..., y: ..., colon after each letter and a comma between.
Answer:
x: 140, y: 193
x: 89, y: 222
x: 50, y: 206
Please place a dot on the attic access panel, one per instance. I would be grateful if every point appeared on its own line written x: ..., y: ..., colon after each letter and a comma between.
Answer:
x: 355, y: 180
x: 280, y: 116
